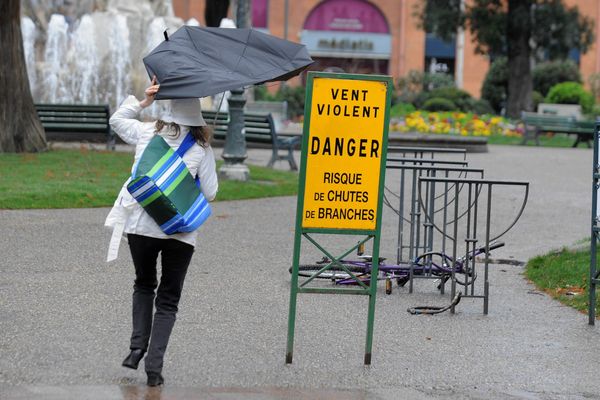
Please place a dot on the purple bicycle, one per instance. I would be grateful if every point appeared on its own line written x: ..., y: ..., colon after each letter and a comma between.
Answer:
x: 433, y: 264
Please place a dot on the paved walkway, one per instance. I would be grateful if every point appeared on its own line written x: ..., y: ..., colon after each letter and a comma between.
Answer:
x: 65, y: 314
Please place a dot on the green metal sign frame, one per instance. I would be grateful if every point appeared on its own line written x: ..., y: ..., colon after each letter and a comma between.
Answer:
x: 301, y: 232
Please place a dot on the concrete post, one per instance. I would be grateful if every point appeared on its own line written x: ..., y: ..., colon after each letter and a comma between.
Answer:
x: 234, y: 152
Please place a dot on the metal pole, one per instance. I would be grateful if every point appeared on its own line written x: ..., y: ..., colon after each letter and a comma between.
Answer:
x: 411, y: 250
x: 470, y: 238
x: 486, y: 282
x: 594, y: 240
x: 289, y: 355
x: 234, y: 152
x: 372, y: 297
x: 285, y: 19
x: 592, y: 294
x: 454, y: 248
x: 475, y: 219
x: 444, y: 224
x: 400, y: 250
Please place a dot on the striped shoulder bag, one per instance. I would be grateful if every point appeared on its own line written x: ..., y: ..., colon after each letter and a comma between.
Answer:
x: 163, y: 185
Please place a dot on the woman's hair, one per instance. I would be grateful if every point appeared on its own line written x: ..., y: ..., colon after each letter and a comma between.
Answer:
x: 202, y: 134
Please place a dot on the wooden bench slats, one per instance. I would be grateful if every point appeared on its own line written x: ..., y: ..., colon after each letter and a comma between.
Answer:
x: 74, y: 120
x: 257, y: 139
x: 260, y: 129
x: 77, y: 122
x: 65, y: 114
x: 71, y: 107
x: 75, y: 128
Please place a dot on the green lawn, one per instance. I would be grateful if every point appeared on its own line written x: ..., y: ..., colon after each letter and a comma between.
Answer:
x: 557, y: 140
x: 83, y: 178
x: 564, y: 275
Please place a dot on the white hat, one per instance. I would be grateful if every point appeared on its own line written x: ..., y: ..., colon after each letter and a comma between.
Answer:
x: 185, y: 112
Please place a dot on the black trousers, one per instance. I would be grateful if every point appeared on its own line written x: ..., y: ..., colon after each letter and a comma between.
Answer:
x: 152, y: 332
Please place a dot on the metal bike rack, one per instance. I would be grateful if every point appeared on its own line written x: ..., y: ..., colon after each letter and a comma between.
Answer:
x: 420, y: 239
x: 477, y: 191
x: 594, y: 271
x: 410, y: 170
x: 430, y: 152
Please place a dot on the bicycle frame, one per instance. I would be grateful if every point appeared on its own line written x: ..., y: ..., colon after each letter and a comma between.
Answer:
x: 423, y: 264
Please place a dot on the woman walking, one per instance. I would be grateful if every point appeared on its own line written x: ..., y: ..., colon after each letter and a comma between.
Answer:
x: 151, y: 330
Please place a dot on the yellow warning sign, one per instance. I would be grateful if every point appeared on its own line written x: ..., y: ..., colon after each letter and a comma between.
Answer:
x: 343, y: 158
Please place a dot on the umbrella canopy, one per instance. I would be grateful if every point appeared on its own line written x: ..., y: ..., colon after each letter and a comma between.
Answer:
x: 198, y: 62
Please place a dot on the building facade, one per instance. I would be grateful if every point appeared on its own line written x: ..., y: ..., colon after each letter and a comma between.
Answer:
x: 379, y: 37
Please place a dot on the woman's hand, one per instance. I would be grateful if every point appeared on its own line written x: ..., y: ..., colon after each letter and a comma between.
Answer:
x: 150, y: 92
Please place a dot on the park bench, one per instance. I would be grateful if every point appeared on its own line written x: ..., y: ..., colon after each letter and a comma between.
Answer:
x: 77, y: 122
x: 259, y: 128
x: 571, y: 110
x: 536, y: 124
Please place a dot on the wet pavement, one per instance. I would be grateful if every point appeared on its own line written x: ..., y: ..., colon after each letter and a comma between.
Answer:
x: 137, y: 392
x: 65, y: 313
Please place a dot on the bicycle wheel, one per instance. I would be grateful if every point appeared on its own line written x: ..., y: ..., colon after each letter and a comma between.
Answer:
x: 335, y: 272
x: 433, y: 263
x: 469, y: 274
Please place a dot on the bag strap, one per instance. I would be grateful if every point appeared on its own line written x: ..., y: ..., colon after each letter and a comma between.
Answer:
x: 187, y: 143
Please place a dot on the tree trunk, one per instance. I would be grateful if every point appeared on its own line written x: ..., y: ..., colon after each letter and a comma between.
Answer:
x: 21, y: 129
x: 519, y: 64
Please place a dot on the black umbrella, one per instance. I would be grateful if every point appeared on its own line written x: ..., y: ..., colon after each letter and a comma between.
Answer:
x: 199, y: 62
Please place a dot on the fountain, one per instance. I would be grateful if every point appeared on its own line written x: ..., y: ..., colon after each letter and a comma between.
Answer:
x: 29, y: 35
x: 91, y: 51
x: 119, y: 60
x: 55, y: 90
x: 84, y: 84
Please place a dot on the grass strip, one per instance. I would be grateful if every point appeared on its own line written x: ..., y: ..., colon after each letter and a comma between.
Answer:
x: 88, y: 178
x: 564, y: 275
x: 547, y: 140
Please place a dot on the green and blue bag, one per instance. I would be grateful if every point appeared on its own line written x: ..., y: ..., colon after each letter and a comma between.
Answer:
x: 163, y: 185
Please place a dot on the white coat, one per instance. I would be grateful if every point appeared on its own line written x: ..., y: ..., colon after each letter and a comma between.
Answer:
x: 127, y: 216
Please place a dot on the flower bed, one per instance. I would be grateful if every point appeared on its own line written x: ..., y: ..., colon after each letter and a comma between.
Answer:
x: 455, y: 123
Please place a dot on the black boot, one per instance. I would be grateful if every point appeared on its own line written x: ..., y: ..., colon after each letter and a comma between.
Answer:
x: 133, y: 359
x: 155, y: 378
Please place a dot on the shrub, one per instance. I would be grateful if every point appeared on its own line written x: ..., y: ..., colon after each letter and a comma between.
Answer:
x: 536, y: 99
x: 481, y: 107
x: 462, y: 100
x: 420, y: 99
x: 547, y: 74
x: 401, y: 109
x: 411, y: 86
x: 437, y: 80
x: 544, y: 76
x: 439, y: 104
x: 293, y: 95
x: 594, y: 82
x: 595, y: 112
x: 260, y: 92
x: 295, y: 99
x: 495, y: 85
x: 571, y: 93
